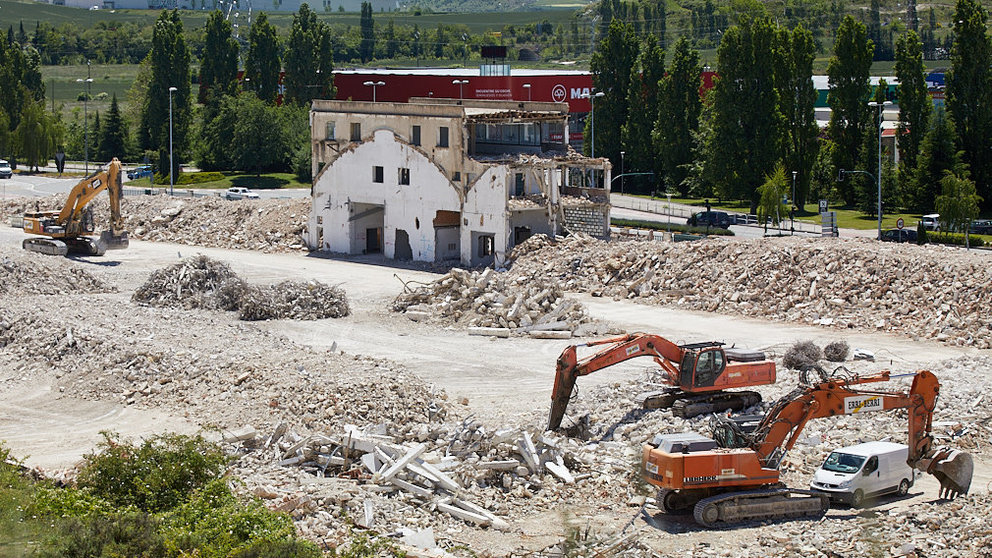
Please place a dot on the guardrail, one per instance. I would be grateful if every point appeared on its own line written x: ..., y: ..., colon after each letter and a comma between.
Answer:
x: 676, y: 210
x: 177, y: 193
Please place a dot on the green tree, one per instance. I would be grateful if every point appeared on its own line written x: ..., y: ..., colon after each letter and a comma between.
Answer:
x: 642, y: 93
x: 915, y: 106
x: 219, y: 63
x: 847, y: 72
x: 938, y: 155
x: 770, y: 194
x: 958, y: 200
x: 37, y: 134
x: 798, y: 102
x: 389, y: 37
x: 113, y: 140
x: 969, y: 92
x: 611, y: 67
x: 169, y: 59
x: 679, y: 107
x: 262, y: 64
x: 309, y: 59
x: 260, y: 137
x: 366, y: 50
x: 748, y: 128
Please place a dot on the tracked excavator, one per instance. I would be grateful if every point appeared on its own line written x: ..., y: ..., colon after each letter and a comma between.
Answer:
x: 65, y: 231
x: 697, y: 374
x: 734, y: 476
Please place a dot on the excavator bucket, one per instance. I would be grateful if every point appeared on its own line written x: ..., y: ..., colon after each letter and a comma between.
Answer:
x: 110, y: 241
x: 954, y: 469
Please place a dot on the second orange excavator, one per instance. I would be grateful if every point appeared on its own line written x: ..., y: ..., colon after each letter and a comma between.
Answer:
x: 698, y: 374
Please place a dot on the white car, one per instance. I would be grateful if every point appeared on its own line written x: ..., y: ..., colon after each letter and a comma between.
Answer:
x: 931, y: 222
x: 238, y: 193
x: 5, y: 171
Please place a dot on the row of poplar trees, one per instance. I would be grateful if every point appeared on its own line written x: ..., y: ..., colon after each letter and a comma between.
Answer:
x: 758, y: 120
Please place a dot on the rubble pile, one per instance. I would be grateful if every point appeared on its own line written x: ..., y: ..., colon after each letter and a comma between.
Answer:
x: 488, y: 299
x: 273, y: 225
x: 23, y: 273
x: 928, y: 291
x: 201, y: 282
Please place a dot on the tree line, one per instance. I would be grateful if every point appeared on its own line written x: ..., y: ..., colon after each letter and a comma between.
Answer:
x: 756, y: 128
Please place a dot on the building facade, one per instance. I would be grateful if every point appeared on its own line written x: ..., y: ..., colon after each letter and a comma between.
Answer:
x: 448, y: 181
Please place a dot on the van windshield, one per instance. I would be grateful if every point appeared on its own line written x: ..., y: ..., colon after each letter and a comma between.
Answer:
x: 843, y: 462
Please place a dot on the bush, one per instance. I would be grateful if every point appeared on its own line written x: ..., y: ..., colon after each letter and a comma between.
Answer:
x: 955, y: 239
x: 199, y: 177
x: 836, y: 351
x: 123, y: 535
x: 921, y: 233
x: 156, y: 476
x: 803, y: 353
x: 215, y: 523
x: 301, y: 164
x: 73, y: 502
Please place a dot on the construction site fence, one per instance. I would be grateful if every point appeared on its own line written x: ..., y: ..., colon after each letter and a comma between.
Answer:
x: 176, y: 192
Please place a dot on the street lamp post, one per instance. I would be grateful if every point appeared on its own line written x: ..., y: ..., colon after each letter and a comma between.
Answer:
x: 878, y: 172
x: 527, y: 87
x: 621, y: 172
x: 460, y: 83
x: 86, y: 128
x: 373, y: 85
x: 792, y: 214
x: 172, y: 165
x: 669, y: 194
x: 592, y: 114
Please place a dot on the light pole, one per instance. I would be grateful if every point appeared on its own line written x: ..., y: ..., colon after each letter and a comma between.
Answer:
x: 792, y: 214
x: 592, y: 114
x: 86, y: 120
x: 878, y: 172
x: 171, y: 163
x: 669, y: 194
x: 373, y: 85
x: 621, y: 172
x: 460, y: 83
x: 527, y: 87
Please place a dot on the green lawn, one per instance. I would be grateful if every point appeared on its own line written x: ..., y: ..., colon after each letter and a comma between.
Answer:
x: 266, y: 181
x: 62, y: 88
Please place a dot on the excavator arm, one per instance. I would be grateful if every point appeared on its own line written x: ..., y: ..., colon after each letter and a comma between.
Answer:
x: 617, y: 349
x: 778, y: 431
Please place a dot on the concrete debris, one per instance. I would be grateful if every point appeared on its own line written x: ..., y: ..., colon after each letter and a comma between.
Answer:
x: 493, y: 303
x: 273, y: 225
x: 201, y: 282
x: 931, y: 292
x: 29, y: 273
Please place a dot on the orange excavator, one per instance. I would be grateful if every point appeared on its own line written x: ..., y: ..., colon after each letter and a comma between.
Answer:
x: 735, y: 477
x: 65, y: 231
x: 698, y: 374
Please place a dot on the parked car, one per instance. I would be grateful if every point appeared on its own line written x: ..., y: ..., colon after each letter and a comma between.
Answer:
x: 981, y: 226
x: 931, y: 222
x: 5, y: 170
x: 897, y: 235
x: 719, y: 219
x: 139, y: 172
x: 238, y: 193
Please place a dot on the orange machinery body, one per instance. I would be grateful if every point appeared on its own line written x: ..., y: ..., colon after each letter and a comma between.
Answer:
x: 717, y: 468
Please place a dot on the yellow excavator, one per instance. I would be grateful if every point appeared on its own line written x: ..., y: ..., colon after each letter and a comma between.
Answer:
x: 65, y: 231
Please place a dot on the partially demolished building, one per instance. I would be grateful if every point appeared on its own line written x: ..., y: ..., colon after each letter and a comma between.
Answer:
x: 449, y: 180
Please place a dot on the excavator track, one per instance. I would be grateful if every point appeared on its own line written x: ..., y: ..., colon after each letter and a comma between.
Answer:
x: 85, y: 246
x: 686, y: 405
x: 774, y: 503
x: 48, y: 246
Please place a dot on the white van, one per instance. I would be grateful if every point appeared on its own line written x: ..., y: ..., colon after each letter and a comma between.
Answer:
x: 856, y: 473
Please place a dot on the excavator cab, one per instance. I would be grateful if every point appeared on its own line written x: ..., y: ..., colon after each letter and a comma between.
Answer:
x: 701, y: 364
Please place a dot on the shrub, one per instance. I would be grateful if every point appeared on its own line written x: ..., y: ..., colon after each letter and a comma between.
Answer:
x: 73, y: 502
x: 836, y: 351
x: 156, y: 476
x: 122, y: 535
x: 956, y: 239
x: 921, y: 233
x: 199, y: 177
x: 803, y: 353
x: 215, y: 523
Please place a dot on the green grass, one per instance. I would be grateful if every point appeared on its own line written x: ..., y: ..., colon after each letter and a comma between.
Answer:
x: 62, y: 88
x: 266, y: 181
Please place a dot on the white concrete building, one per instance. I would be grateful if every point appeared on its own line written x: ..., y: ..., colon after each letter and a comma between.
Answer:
x: 448, y: 180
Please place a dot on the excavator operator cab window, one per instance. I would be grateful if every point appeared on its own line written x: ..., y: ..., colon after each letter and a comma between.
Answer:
x: 709, y: 365
x: 686, y: 367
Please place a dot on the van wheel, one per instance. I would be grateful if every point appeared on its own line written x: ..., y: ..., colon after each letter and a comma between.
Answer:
x: 903, y: 487
x: 858, y: 499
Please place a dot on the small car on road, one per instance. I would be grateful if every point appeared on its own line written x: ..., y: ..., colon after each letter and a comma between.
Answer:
x: 899, y: 235
x: 139, y: 172
x: 719, y: 219
x: 240, y: 193
x: 5, y: 170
